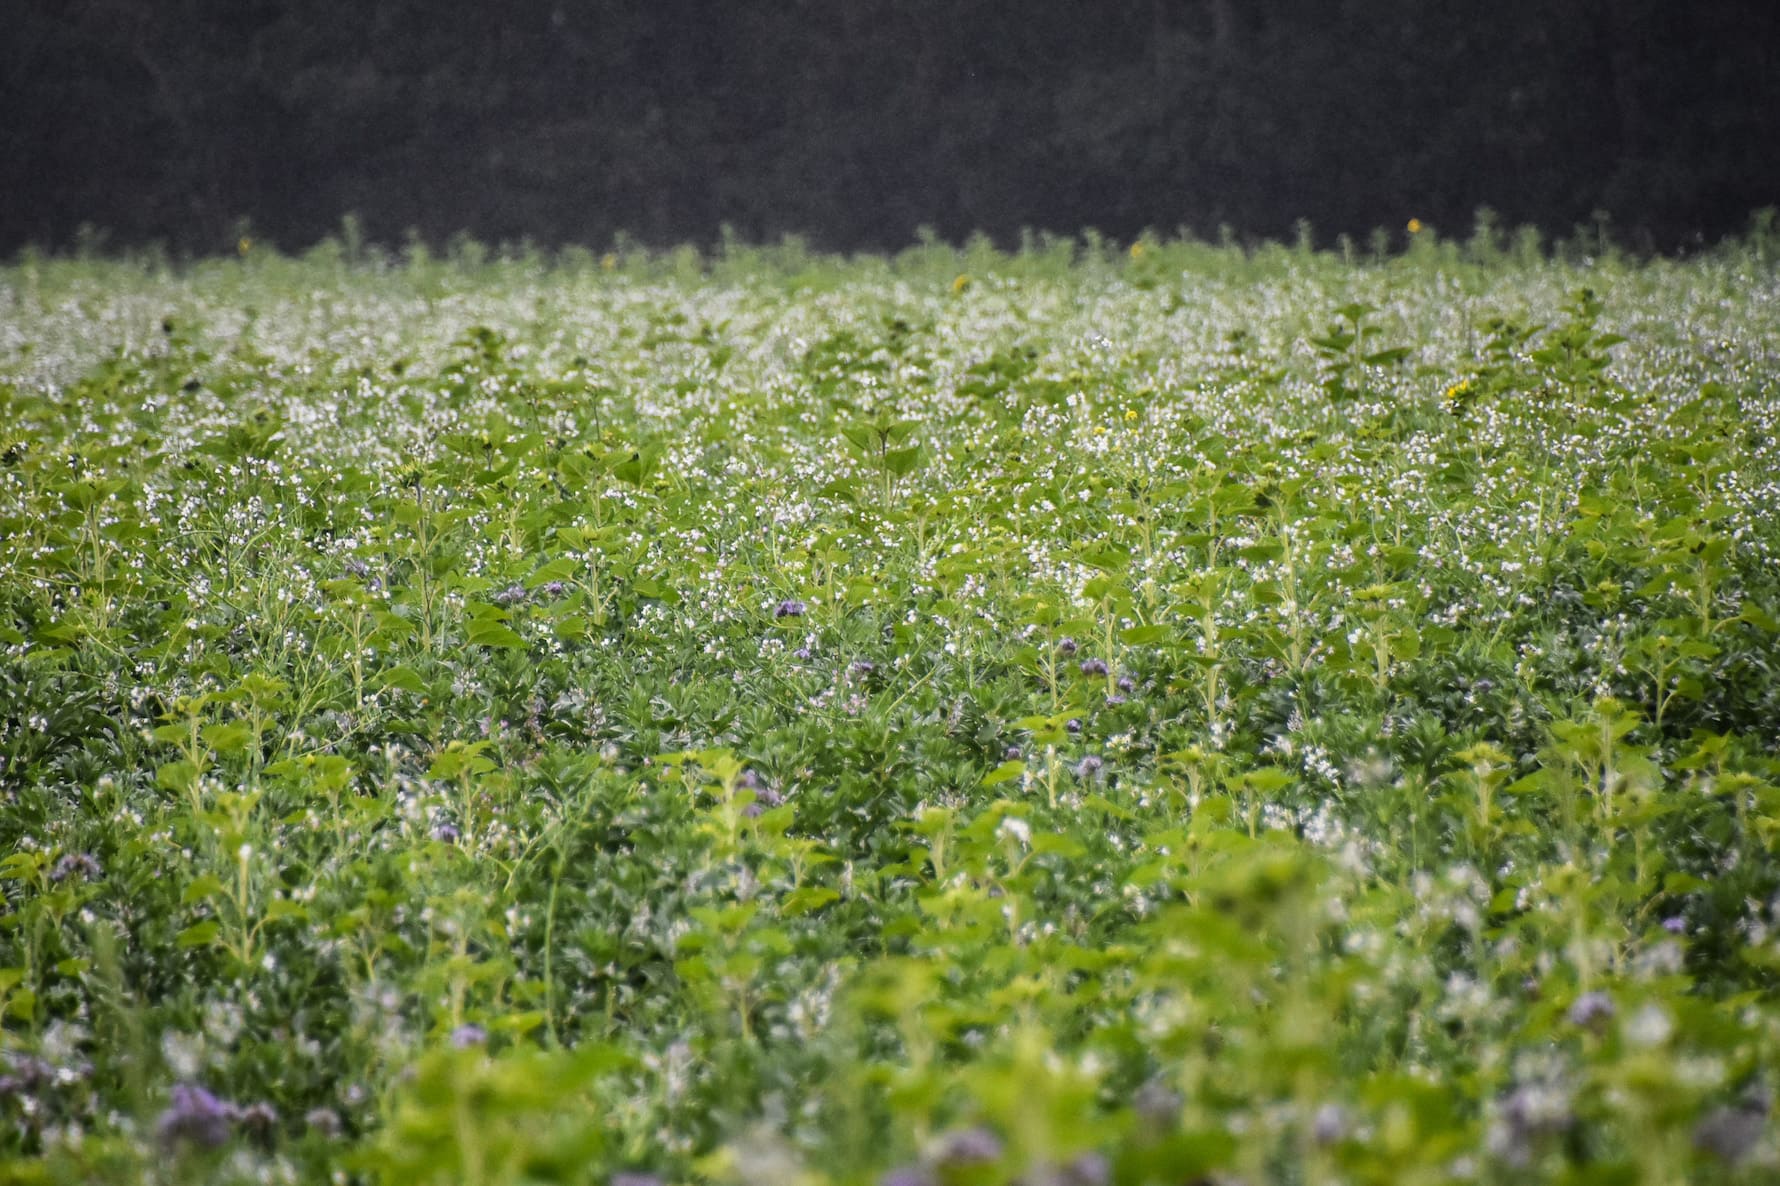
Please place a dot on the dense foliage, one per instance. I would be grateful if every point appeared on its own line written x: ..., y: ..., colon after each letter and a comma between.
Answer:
x: 1157, y: 715
x: 859, y: 122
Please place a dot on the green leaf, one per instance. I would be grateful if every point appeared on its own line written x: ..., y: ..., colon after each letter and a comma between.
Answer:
x: 486, y: 632
x: 230, y: 738
x: 901, y: 462
x: 283, y: 908
x: 202, y: 887
x: 201, y: 934
x: 403, y: 679
x: 806, y: 900
x: 1006, y: 772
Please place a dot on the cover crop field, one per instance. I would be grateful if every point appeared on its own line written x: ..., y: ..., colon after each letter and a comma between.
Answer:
x: 1148, y: 715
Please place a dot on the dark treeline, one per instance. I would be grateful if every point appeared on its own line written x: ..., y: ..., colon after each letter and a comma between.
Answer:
x: 856, y: 121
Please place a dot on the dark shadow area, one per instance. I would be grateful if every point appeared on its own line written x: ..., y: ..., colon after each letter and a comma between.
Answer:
x: 856, y: 122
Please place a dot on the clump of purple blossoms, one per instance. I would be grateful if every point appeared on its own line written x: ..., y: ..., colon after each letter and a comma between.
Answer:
x: 512, y: 595
x: 259, y: 1121
x: 72, y: 863
x: 1093, y: 666
x: 1525, y: 1117
x: 467, y: 1035
x: 1086, y: 1169
x: 25, y: 1076
x: 968, y: 1146
x: 1157, y: 1105
x: 764, y: 796
x: 1731, y: 1133
x: 1591, y: 1011
x: 789, y: 608
x: 1066, y: 647
x: 195, y: 1117
x: 907, y: 1175
x: 1329, y: 1125
x: 1089, y: 767
x: 323, y: 1122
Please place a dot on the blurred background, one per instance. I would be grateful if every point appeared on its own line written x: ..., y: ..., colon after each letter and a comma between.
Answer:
x: 855, y: 122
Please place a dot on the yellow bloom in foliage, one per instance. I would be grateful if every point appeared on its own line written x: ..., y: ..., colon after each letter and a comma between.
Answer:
x: 1138, y: 250
x: 245, y: 245
x: 609, y: 262
x: 1130, y: 415
x: 1415, y: 226
x: 1454, y: 397
x: 961, y: 283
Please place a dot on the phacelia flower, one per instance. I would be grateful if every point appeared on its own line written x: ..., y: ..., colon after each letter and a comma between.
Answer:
x: 1592, y: 1010
x: 195, y: 1117
x: 74, y: 863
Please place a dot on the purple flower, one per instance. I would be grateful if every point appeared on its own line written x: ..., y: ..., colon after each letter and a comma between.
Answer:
x: 1127, y: 685
x: 28, y: 1074
x: 790, y: 608
x: 1066, y: 647
x: 1329, y: 1125
x: 1072, y: 725
x: 907, y: 1175
x: 1675, y: 925
x: 446, y: 833
x: 259, y: 1121
x: 1093, y: 666
x: 1525, y: 1117
x: 1086, y: 1169
x: 1731, y: 1133
x: 968, y: 1146
x: 1089, y: 766
x: 76, y: 862
x: 465, y: 1036
x: 1011, y: 754
x: 195, y: 1117
x: 323, y: 1122
x: 1157, y: 1104
x: 550, y: 590
x: 1591, y: 1011
x: 512, y: 595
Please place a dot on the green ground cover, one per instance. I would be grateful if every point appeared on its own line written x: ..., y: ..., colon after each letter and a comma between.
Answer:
x: 1166, y: 715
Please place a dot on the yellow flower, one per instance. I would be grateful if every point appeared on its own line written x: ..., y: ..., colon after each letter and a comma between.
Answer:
x: 961, y: 283
x: 1138, y: 250
x: 1130, y: 415
x: 1415, y: 226
x: 245, y: 245
x: 609, y: 262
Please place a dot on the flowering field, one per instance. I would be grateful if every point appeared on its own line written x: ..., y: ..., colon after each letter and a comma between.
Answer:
x: 1154, y: 716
